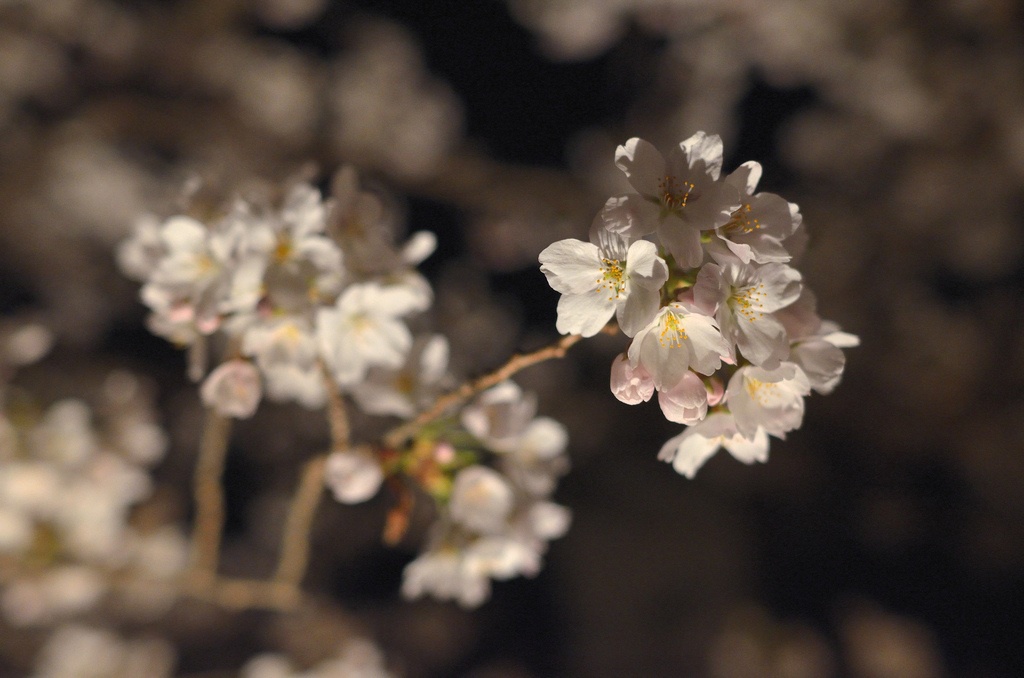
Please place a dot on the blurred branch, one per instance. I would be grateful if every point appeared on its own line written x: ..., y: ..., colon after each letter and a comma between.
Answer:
x: 516, y: 363
x: 295, y: 542
x: 244, y: 594
x: 337, y: 415
x: 208, y: 525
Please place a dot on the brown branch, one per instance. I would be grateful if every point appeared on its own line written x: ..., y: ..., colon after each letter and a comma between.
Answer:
x: 295, y: 542
x: 399, y: 435
x: 337, y: 415
x: 208, y: 524
x: 244, y: 594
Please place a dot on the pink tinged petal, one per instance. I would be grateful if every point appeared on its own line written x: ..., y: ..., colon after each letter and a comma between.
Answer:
x: 571, y: 266
x: 631, y: 385
x: 585, y: 314
x: 748, y: 450
x: 686, y: 402
x: 638, y: 310
x: 716, y: 391
x: 233, y: 389
x: 643, y: 165
x: 630, y: 215
x: 704, y: 152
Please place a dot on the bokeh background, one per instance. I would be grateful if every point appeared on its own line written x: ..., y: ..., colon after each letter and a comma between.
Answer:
x: 884, y: 538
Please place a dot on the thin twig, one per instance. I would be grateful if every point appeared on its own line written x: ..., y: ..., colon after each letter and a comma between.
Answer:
x: 518, y: 362
x: 337, y: 415
x: 208, y: 525
x: 295, y: 542
x: 244, y: 594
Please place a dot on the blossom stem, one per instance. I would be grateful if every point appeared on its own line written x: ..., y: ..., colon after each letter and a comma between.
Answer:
x: 516, y: 363
x: 208, y: 524
x: 245, y: 594
x: 296, y: 540
x: 337, y: 415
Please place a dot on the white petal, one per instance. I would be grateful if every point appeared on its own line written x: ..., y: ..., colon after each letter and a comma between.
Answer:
x: 686, y: 402
x: 419, y: 246
x: 688, y: 451
x: 353, y: 476
x: 643, y: 165
x: 584, y: 314
x: 745, y: 177
x: 638, y: 310
x: 682, y: 241
x: 644, y: 266
x: 748, y: 450
x: 571, y: 266
x: 702, y: 149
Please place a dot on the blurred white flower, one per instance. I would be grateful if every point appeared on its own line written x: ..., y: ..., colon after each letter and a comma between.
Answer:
x: 354, y: 476
x: 233, y: 389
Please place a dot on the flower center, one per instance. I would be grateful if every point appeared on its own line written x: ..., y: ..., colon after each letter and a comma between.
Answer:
x: 764, y: 393
x: 283, y: 250
x: 675, y: 196
x: 748, y: 301
x: 741, y: 222
x: 613, y: 277
x: 672, y: 332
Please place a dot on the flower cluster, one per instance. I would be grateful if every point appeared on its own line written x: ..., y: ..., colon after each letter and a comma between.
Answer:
x: 497, y: 519
x: 694, y: 267
x: 312, y: 297
x: 67, y: 487
x: 276, y: 283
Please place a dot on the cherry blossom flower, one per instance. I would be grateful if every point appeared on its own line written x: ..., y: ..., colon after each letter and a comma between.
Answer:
x: 233, y: 389
x: 678, y: 339
x: 354, y: 476
x: 756, y: 229
x: 499, y: 416
x: 287, y: 354
x: 632, y: 385
x: 446, y: 573
x: 743, y: 298
x: 537, y: 458
x: 690, y: 449
x: 678, y: 196
x: 481, y: 499
x: 363, y: 329
x: 815, y: 344
x: 405, y: 391
x: 686, y: 402
x: 772, y: 400
x: 610, y: 275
